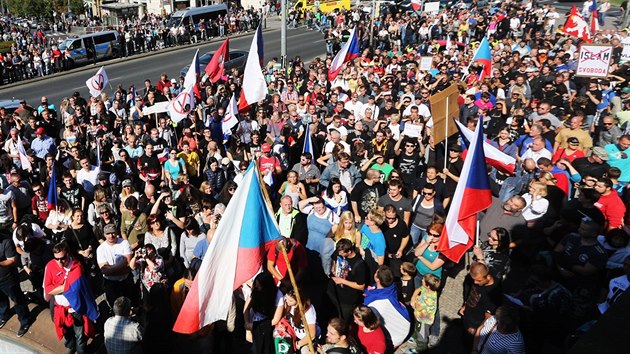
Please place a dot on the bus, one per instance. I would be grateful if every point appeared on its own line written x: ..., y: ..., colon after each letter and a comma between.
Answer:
x: 323, y: 5
x: 197, y: 14
x: 83, y: 48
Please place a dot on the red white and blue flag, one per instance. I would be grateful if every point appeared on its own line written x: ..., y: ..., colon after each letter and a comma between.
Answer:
x: 484, y: 57
x: 594, y: 16
x: 576, y: 26
x: 235, y: 255
x: 193, y: 72
x: 394, y: 315
x: 254, y: 84
x: 308, y: 143
x: 472, y: 196
x: 494, y: 157
x: 53, y: 198
x: 349, y: 51
x: 76, y: 289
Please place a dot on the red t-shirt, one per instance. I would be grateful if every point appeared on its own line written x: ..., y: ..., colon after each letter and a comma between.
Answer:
x: 41, y: 206
x: 613, y: 209
x: 296, y: 255
x: 269, y: 163
x: 373, y: 342
x: 561, y: 154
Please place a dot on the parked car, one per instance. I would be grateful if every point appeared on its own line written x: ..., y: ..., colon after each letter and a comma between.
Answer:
x: 10, y: 105
x: 238, y: 58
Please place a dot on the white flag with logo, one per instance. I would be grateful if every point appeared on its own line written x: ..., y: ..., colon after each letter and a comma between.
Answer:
x: 24, y: 161
x: 230, y: 118
x: 182, y: 105
x: 96, y: 84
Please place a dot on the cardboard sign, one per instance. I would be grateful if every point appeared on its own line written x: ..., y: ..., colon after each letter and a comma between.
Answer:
x: 444, y: 106
x: 426, y: 63
x: 594, y: 61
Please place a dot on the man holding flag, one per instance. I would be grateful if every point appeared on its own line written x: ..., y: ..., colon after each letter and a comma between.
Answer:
x: 74, y: 305
x: 472, y: 196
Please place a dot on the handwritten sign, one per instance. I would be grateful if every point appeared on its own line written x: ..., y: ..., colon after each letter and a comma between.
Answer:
x: 594, y: 61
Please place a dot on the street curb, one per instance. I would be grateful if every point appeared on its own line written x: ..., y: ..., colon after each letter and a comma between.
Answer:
x: 89, y: 67
x: 25, y: 343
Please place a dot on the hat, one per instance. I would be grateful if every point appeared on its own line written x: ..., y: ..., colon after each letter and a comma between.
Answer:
x: 573, y: 140
x: 225, y: 161
x: 600, y: 152
x: 23, y: 101
x: 40, y: 131
x: 265, y: 147
x: 103, y: 176
x: 127, y: 183
x: 173, y: 81
x: 455, y: 147
x: 110, y: 229
x: 625, y: 90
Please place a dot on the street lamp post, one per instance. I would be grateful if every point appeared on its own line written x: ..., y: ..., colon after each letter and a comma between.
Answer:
x: 283, y: 33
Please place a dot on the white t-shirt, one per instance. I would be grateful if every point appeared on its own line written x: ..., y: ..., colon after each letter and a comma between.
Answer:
x: 112, y: 255
x: 311, y: 318
x: 88, y: 179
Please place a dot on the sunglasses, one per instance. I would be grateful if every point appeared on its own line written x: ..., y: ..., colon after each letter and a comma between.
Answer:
x: 61, y: 259
x: 391, y: 219
x: 36, y: 190
x: 434, y: 234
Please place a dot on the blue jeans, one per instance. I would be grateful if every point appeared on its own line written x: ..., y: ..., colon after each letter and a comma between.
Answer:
x: 416, y: 234
x: 10, y: 289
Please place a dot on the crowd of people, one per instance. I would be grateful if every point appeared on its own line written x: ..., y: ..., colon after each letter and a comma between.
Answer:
x: 32, y: 54
x: 360, y: 213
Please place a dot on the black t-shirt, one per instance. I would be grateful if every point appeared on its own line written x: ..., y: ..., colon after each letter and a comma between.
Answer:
x: 355, y: 270
x: 72, y: 195
x: 394, y: 236
x: 481, y: 300
x: 366, y: 196
x: 584, y: 167
x: 7, y: 250
x: 158, y: 145
x: 438, y: 186
x: 150, y: 165
x: 410, y: 168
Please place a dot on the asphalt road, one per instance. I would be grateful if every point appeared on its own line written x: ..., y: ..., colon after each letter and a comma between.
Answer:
x: 308, y: 44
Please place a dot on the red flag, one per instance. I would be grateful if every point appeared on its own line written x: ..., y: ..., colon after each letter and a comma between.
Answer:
x: 576, y: 26
x: 215, y: 67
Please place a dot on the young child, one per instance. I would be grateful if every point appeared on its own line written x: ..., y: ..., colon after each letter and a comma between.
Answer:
x: 424, y: 304
x: 406, y: 284
x: 614, y: 173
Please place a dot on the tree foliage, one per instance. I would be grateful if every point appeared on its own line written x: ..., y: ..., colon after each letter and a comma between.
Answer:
x: 44, y: 8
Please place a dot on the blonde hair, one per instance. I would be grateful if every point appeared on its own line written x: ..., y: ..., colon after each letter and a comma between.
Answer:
x: 339, y: 233
x: 547, y: 177
x: 377, y: 215
x: 540, y: 188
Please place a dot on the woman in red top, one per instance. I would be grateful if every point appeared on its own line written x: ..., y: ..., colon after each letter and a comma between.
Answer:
x: 571, y: 152
x: 369, y: 331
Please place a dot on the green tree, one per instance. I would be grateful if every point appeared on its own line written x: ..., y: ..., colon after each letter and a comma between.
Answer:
x: 39, y: 8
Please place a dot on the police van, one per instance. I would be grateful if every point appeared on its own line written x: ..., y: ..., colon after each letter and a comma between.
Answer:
x: 82, y: 49
x: 194, y: 15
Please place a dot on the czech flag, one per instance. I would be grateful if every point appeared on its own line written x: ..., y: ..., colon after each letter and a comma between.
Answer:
x: 394, y: 315
x: 308, y: 143
x: 216, y: 66
x: 594, y: 16
x: 483, y: 57
x: 235, y: 255
x: 254, y: 84
x: 472, y: 195
x: 349, y: 51
x: 53, y: 198
x: 494, y: 157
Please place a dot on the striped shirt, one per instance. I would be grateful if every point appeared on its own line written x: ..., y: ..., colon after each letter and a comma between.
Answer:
x: 492, y: 341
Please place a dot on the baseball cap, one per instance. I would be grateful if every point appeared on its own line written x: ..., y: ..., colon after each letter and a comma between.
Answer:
x: 109, y: 229
x: 573, y: 140
x: 625, y: 90
x: 102, y: 176
x: 265, y: 147
x: 127, y: 183
x: 40, y: 131
x: 600, y: 152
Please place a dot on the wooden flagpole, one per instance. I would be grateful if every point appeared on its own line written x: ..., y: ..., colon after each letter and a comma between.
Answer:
x: 311, y: 347
x: 298, y: 298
